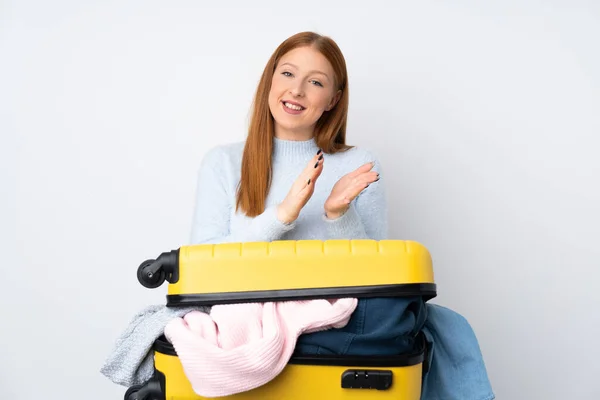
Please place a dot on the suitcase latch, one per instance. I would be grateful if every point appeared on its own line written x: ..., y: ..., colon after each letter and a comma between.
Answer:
x: 367, y: 379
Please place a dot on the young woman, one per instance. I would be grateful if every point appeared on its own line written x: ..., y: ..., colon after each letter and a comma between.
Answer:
x: 296, y: 178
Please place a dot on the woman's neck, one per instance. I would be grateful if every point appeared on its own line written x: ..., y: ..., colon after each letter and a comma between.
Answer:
x: 294, y: 150
x: 294, y: 135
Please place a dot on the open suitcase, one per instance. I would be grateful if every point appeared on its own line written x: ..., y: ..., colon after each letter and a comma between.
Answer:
x: 229, y: 273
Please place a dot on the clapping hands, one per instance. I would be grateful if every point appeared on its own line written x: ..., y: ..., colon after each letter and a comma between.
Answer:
x: 342, y: 194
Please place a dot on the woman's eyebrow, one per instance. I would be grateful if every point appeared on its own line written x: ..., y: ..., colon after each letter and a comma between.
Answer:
x: 310, y: 72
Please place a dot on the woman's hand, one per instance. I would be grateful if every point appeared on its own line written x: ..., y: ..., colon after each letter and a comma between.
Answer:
x: 301, y: 191
x: 347, y: 188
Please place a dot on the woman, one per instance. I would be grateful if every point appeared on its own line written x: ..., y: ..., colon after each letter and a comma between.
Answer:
x: 296, y: 178
x: 297, y: 134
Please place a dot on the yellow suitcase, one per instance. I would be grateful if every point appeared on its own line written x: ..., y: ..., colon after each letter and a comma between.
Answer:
x: 229, y: 273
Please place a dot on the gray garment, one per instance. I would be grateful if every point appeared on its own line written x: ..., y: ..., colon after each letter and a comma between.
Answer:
x: 132, y: 361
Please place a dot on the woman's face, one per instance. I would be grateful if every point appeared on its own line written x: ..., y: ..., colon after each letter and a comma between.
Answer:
x: 303, y: 87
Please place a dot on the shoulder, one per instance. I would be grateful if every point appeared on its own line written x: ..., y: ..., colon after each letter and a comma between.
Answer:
x: 362, y: 153
x: 223, y: 155
x: 357, y: 156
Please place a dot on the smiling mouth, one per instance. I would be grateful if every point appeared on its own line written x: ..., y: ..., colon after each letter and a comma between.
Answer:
x: 292, y: 106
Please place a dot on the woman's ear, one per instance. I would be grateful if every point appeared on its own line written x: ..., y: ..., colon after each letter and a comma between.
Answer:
x: 334, y: 100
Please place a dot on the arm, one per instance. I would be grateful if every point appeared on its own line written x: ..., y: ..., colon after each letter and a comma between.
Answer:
x: 366, y: 217
x: 215, y: 203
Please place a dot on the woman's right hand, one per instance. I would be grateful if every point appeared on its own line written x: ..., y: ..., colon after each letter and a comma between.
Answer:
x: 301, y: 191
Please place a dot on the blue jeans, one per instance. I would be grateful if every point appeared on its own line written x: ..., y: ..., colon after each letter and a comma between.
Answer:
x: 388, y: 326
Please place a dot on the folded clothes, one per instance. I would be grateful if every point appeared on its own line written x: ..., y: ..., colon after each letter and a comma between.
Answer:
x: 237, y: 340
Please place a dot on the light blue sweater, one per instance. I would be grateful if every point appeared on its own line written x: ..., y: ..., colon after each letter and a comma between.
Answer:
x: 215, y: 219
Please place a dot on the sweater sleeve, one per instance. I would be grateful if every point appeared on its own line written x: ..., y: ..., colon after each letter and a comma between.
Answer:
x: 215, y: 203
x: 367, y: 217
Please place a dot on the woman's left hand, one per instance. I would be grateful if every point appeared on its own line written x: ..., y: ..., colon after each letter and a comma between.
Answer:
x: 348, y: 188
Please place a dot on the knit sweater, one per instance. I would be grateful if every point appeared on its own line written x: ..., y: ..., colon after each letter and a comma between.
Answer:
x: 215, y: 219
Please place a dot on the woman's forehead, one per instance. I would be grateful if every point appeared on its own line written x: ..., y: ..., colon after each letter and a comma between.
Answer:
x: 307, y: 59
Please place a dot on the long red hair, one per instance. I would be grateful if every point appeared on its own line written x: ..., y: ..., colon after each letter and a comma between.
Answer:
x: 330, y: 130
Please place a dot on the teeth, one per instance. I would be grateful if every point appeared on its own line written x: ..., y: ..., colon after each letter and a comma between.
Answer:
x: 293, y: 106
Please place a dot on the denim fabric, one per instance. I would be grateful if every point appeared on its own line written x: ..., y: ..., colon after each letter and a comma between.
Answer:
x: 457, y: 370
x: 378, y: 326
x: 388, y: 326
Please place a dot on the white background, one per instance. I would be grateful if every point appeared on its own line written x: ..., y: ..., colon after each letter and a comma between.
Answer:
x: 485, y: 116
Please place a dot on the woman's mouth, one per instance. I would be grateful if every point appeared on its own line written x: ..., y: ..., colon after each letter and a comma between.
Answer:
x: 292, y: 108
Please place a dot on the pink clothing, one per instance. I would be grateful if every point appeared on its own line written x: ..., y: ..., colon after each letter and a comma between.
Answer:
x: 239, y: 347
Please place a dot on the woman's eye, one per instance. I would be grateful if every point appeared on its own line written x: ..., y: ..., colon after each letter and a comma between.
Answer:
x: 286, y: 73
x: 316, y: 83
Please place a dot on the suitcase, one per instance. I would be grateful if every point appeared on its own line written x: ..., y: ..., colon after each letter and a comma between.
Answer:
x: 228, y: 273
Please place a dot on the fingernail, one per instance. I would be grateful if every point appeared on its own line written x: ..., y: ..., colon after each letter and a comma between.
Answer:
x: 319, y: 152
x: 308, y: 183
x: 321, y: 157
x: 317, y: 164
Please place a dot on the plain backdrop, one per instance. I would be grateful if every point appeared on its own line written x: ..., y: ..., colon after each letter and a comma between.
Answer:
x: 485, y: 115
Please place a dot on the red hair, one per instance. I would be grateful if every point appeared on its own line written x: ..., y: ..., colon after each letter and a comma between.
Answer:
x: 330, y: 129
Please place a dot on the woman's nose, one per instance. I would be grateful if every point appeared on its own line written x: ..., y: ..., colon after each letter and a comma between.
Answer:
x: 297, y: 91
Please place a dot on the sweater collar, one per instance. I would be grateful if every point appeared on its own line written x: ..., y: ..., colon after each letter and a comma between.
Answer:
x: 293, y: 150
